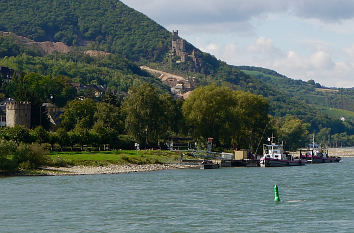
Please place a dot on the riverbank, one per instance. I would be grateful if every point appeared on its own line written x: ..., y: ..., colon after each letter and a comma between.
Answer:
x: 341, y: 152
x: 108, y: 169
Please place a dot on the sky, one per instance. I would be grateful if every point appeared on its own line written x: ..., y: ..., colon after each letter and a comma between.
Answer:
x: 302, y: 39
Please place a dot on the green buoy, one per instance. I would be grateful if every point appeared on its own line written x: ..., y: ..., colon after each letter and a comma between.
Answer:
x: 276, y: 194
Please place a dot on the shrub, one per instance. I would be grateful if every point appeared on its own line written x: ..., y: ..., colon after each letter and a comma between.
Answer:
x: 7, y: 149
x: 31, y: 156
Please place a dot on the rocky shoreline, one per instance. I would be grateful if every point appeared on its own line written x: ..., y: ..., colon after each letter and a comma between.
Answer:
x: 109, y: 169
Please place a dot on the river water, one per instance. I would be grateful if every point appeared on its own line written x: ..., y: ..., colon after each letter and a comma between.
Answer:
x: 314, y: 198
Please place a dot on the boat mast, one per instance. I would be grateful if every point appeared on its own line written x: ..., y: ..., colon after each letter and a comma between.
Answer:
x: 313, y: 141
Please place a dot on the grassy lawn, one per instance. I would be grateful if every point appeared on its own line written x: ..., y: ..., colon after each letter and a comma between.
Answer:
x: 113, y: 157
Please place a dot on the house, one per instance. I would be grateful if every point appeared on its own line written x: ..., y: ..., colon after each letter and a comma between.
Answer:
x: 79, y: 87
x: 98, y: 90
x: 53, y: 113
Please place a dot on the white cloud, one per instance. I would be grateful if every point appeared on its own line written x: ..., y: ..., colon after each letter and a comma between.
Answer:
x: 322, y: 60
x: 319, y: 65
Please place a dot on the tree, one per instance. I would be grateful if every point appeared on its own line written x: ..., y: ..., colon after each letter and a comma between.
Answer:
x: 145, y: 117
x: 19, y: 134
x: 209, y: 112
x: 293, y: 132
x: 62, y: 137
x: 41, y: 135
x: 79, y: 113
x: 323, y: 136
x: 108, y: 124
x: 252, y: 111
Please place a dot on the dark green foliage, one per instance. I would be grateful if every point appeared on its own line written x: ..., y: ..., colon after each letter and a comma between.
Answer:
x: 147, y: 115
x: 108, y: 124
x: 293, y: 132
x: 17, y: 134
x: 10, y: 47
x: 7, y: 148
x: 109, y: 25
x: 232, y: 118
x: 79, y: 114
x: 126, y: 142
x: 114, y: 72
x: 41, y: 135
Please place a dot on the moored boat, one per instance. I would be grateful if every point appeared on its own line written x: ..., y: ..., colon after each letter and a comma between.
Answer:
x: 316, y: 154
x: 209, y: 164
x: 274, y: 156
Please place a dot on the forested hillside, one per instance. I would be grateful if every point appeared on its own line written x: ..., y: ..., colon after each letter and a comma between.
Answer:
x: 107, y: 25
x: 132, y: 39
x: 111, y: 26
x: 310, y: 92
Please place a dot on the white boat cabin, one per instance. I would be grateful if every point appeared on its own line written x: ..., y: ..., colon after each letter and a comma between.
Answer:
x: 274, y: 151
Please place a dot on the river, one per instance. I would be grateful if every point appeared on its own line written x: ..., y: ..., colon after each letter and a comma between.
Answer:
x: 314, y: 198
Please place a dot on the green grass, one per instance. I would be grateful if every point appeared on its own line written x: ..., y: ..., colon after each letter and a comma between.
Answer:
x: 113, y: 157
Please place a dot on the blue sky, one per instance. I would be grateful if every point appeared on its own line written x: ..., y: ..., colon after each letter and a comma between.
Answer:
x: 302, y: 39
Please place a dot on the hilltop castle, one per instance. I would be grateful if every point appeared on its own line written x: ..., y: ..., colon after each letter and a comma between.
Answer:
x: 178, y: 46
x: 178, y: 49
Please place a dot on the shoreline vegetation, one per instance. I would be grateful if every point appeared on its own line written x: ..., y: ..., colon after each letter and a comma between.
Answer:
x: 120, y: 162
x: 109, y: 168
x: 103, y: 162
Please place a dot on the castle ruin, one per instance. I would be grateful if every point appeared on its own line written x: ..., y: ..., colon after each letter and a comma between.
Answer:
x: 178, y: 46
x: 18, y: 113
x: 179, y: 49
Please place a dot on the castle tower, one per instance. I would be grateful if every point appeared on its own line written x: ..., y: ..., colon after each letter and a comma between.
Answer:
x: 18, y: 113
x: 175, y: 35
x: 178, y: 46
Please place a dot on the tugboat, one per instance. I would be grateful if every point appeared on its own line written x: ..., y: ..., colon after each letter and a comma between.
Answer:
x: 274, y: 156
x: 209, y: 164
x: 315, y: 154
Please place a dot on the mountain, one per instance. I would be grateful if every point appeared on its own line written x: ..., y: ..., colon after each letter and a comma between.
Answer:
x: 127, y: 39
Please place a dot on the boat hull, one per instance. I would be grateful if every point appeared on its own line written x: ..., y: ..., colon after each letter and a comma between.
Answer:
x: 323, y: 160
x: 269, y: 162
x: 210, y: 166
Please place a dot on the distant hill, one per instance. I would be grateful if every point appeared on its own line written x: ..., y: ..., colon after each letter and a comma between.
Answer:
x: 314, y: 94
x: 123, y: 39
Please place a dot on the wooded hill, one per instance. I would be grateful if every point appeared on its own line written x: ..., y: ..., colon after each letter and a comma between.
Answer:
x: 133, y: 39
x: 334, y: 101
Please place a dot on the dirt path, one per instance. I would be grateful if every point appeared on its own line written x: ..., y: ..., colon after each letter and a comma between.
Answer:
x: 163, y: 75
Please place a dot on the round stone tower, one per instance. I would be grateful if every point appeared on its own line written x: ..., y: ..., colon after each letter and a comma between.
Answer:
x: 18, y: 113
